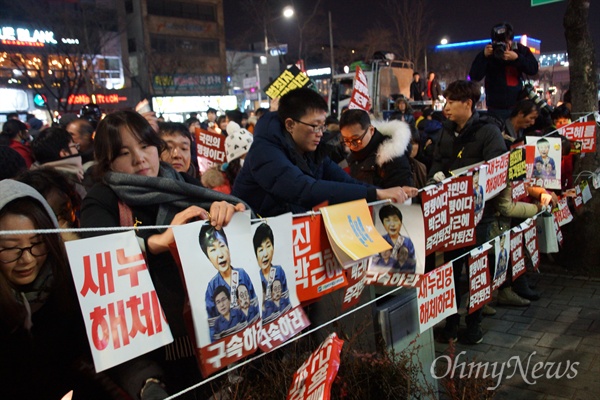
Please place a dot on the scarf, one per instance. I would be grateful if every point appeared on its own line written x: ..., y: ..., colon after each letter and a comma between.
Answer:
x: 168, y: 190
x: 34, y: 295
x: 70, y: 166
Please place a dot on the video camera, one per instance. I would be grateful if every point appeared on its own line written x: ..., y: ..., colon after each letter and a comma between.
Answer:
x: 502, y: 33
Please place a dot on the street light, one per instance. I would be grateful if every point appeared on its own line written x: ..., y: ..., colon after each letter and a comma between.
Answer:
x: 287, y: 13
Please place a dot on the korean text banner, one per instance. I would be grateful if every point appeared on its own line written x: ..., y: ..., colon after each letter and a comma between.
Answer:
x: 211, y: 149
x: 224, y: 289
x: 121, y: 310
x: 318, y: 272
x: 479, y: 279
x: 360, y: 93
x: 290, y: 79
x: 584, y: 132
x: 435, y: 298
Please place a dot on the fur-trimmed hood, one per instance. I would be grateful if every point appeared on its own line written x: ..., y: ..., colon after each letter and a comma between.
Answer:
x: 397, y: 135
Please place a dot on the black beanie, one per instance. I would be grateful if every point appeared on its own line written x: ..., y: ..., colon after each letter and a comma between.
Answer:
x: 11, y: 163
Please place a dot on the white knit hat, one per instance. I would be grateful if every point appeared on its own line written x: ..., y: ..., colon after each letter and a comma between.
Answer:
x: 237, y: 142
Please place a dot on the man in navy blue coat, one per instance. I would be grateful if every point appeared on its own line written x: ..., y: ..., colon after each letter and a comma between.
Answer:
x: 287, y: 168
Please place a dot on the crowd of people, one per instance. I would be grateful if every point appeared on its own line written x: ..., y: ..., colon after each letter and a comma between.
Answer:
x: 129, y: 168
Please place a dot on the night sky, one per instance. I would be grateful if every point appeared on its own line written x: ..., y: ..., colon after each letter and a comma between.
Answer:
x: 458, y: 20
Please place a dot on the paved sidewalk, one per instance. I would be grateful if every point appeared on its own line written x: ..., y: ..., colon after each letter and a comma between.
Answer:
x: 563, y: 326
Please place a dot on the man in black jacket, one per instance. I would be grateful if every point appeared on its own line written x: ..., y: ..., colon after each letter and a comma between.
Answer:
x: 503, y: 63
x: 466, y: 139
x: 417, y: 88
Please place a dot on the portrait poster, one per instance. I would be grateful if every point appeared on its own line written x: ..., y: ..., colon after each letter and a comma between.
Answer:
x: 502, y: 259
x: 402, y: 227
x: 546, y: 161
x: 224, y: 289
x: 281, y: 314
x: 121, y: 310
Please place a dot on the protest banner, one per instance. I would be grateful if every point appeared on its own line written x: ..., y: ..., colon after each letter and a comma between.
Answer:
x: 360, y: 98
x: 210, y: 149
x: 317, y: 271
x: 586, y: 193
x: 584, y: 132
x: 479, y: 279
x: 435, y: 296
x: 315, y: 376
x: 388, y: 278
x: 546, y: 166
x: 356, y: 276
x: 557, y: 225
x: 502, y: 251
x: 290, y: 79
x: 479, y: 183
x: 403, y: 229
x: 517, y: 164
x: 562, y: 213
x: 221, y: 285
x: 517, y: 255
x: 578, y: 199
x: 121, y: 310
x: 496, y: 175
x: 461, y: 211
x: 351, y: 232
x: 282, y: 316
x: 531, y: 242
x: 434, y: 201
x: 518, y: 190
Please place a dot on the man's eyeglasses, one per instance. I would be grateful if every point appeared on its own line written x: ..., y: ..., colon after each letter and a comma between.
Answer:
x: 14, y: 253
x: 315, y: 128
x: 355, y: 142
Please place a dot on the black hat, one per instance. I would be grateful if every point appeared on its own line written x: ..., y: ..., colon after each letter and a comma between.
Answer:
x: 211, y: 110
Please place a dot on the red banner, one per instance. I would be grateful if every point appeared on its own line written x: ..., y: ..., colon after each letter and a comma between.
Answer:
x: 584, y: 132
x: 275, y: 333
x: 355, y: 275
x: 314, y: 377
x: 317, y: 270
x: 360, y: 93
x: 461, y: 211
x: 519, y: 191
x: 387, y: 278
x: 531, y: 245
x: 479, y: 281
x: 436, y: 216
x: 230, y: 349
x: 516, y: 254
x: 211, y: 149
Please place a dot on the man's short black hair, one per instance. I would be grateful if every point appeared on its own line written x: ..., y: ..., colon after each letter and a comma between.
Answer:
x: 295, y: 104
x: 262, y: 233
x: 463, y: 91
x: 48, y: 144
x: 524, y: 107
x: 208, y: 235
x: 355, y: 116
x: 221, y: 289
x: 235, y: 116
x: 416, y: 73
x: 388, y: 211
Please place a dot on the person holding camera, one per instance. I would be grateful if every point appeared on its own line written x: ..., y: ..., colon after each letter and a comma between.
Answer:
x: 502, y: 63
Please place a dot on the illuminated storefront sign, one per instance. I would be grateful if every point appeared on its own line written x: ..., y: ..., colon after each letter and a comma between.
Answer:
x: 112, y: 98
x: 27, y: 37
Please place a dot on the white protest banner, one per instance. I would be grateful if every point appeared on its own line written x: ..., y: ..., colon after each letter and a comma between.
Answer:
x: 360, y: 93
x: 496, y: 175
x: 562, y: 213
x: 122, y: 314
x: 315, y: 376
x: 282, y: 316
x: 222, y: 288
x: 479, y: 278
x: 435, y: 296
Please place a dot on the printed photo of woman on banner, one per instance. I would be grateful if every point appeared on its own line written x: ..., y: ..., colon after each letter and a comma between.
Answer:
x: 545, y: 162
x: 402, y: 227
x: 502, y: 250
x: 221, y: 287
x: 282, y: 316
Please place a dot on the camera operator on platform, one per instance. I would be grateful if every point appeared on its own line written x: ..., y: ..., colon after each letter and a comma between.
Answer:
x: 503, y: 63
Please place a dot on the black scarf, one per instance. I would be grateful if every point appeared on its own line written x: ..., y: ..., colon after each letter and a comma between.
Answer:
x: 169, y: 191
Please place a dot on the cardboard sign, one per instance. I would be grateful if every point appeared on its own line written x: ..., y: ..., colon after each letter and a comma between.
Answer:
x: 224, y: 290
x: 496, y: 175
x: 290, y: 79
x: 584, y: 132
x: 356, y: 276
x: 479, y: 279
x: 402, y: 227
x: 282, y: 316
x: 517, y: 164
x: 360, y: 92
x: 531, y: 242
x: 317, y: 271
x: 545, y: 162
x: 435, y: 296
x: 502, y: 251
x: 122, y: 313
x: 351, y: 232
x: 461, y: 210
x: 211, y: 149
x: 516, y: 253
x: 436, y: 215
x: 315, y: 376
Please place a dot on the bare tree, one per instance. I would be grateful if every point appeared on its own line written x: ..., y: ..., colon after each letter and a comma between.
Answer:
x: 374, y: 39
x: 584, y: 92
x: 67, y: 67
x: 412, y: 26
